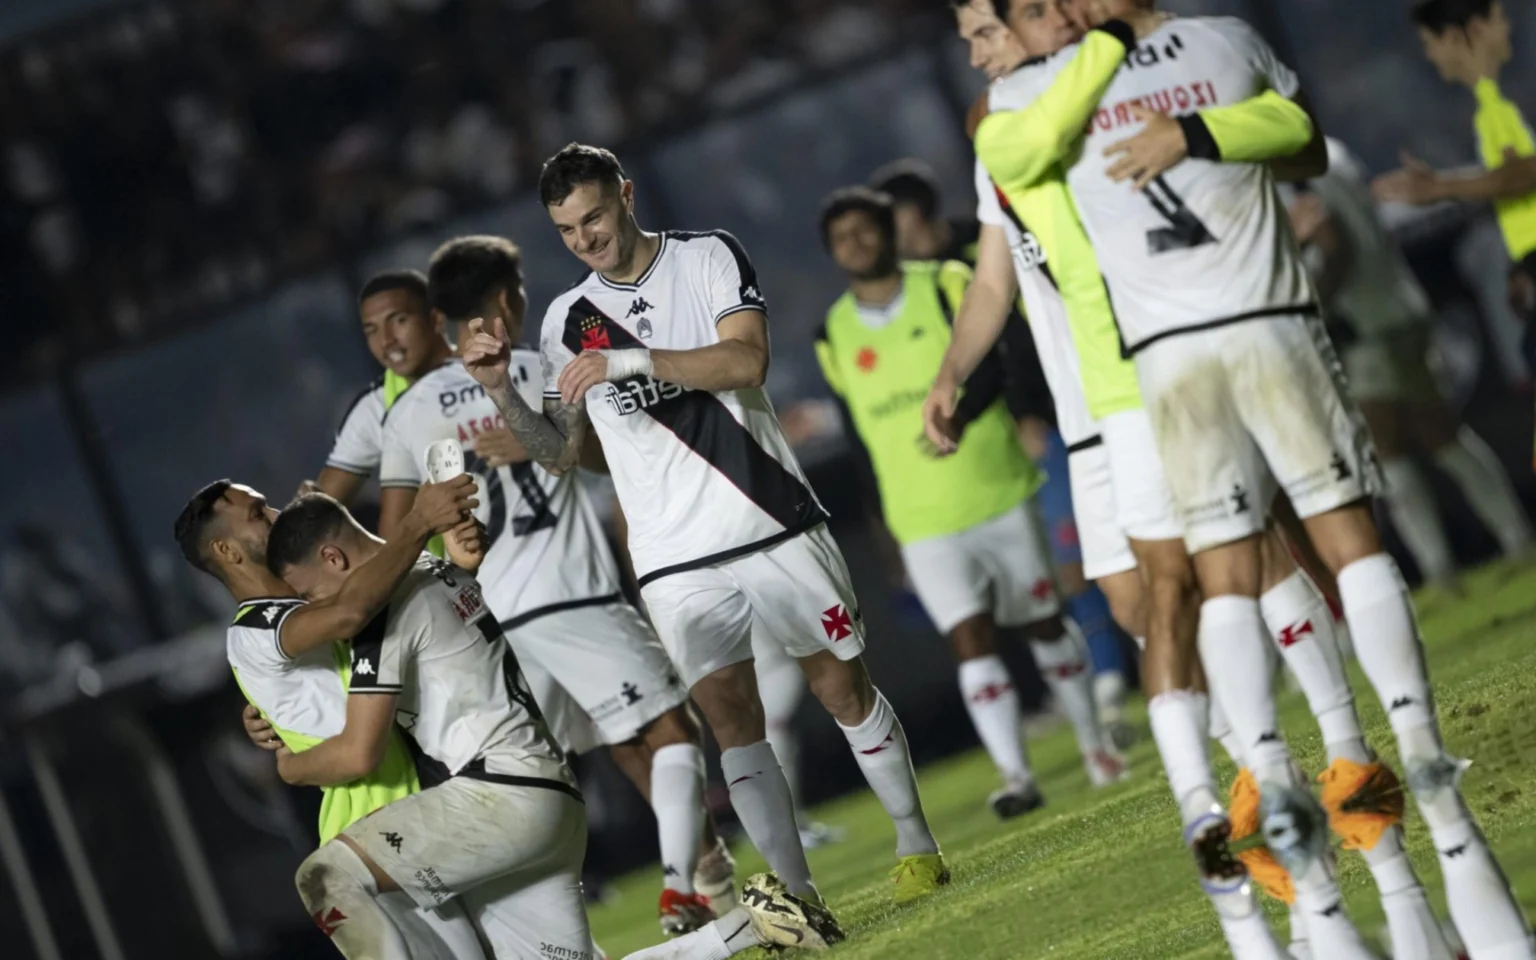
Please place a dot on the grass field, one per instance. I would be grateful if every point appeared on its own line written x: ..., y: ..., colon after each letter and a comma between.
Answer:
x: 1101, y: 874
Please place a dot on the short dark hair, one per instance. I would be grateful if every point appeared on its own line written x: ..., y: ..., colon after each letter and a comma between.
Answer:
x: 403, y: 278
x: 193, y: 522
x: 1438, y: 16
x: 847, y: 200
x: 574, y: 165
x: 909, y: 181
x: 466, y: 271
x: 301, y: 528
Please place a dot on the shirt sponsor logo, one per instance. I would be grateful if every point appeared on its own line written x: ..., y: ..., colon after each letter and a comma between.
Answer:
x: 636, y: 394
x: 451, y: 400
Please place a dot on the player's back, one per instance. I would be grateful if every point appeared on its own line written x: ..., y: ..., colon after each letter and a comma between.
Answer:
x: 701, y: 475
x: 302, y: 696
x: 546, y: 543
x: 1206, y: 242
x: 462, y: 697
x: 1379, y: 291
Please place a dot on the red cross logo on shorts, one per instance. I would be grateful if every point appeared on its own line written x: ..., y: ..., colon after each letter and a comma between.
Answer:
x: 836, y: 622
x: 1293, y: 633
x: 329, y: 922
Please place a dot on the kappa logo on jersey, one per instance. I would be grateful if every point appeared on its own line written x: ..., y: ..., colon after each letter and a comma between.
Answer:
x: 837, y: 623
x: 270, y: 614
x: 637, y: 308
x: 752, y: 295
x: 594, y: 335
x: 636, y: 394
x: 363, y: 667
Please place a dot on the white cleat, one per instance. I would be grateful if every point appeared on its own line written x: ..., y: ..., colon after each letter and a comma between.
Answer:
x: 714, y: 879
x: 1104, y: 768
x: 781, y: 919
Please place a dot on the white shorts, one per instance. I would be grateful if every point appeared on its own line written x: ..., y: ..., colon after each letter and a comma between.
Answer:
x: 608, y: 660
x: 1244, y: 407
x: 1105, y: 549
x: 514, y: 853
x: 1000, y: 567
x: 795, y: 594
x: 1144, y: 506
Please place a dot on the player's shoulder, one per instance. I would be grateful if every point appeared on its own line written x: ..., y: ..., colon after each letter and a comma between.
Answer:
x: 703, y: 245
x: 424, y: 389
x: 1232, y: 31
x: 265, y: 614
x: 1017, y: 90
x: 559, y: 309
x: 372, y: 394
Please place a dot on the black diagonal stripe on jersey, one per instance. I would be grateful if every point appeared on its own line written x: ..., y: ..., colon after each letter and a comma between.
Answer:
x: 1044, y: 266
x: 705, y: 426
x: 430, y: 771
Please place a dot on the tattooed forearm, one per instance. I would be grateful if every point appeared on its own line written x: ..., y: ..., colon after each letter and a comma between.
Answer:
x: 551, y: 437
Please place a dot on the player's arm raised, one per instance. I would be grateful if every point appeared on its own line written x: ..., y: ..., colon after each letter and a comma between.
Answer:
x: 552, y: 437
x: 343, y: 485
x: 978, y: 325
x: 439, y: 507
x: 353, y: 753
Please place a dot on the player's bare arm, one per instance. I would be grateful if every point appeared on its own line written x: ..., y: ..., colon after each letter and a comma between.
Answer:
x: 439, y: 507
x: 465, y: 545
x: 552, y: 437
x: 1419, y: 184
x: 978, y: 324
x: 259, y: 729
x: 738, y: 362
x: 343, y: 485
x: 352, y: 754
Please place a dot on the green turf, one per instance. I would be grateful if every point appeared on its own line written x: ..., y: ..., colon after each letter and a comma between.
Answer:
x: 1101, y: 874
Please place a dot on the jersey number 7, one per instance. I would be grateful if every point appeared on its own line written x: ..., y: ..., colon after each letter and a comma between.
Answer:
x: 1184, y: 229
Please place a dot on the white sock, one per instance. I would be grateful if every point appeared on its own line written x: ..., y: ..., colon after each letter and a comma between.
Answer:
x: 1411, y: 504
x: 1483, y: 481
x: 1235, y: 649
x: 716, y: 940
x: 1221, y: 731
x: 677, y: 796
x: 1387, y: 644
x: 1329, y: 932
x: 993, y: 703
x: 1299, y: 949
x: 1063, y: 663
x: 1179, y: 730
x: 1411, y: 923
x: 880, y: 746
x: 1482, y: 906
x: 760, y: 796
x: 1249, y: 937
x: 341, y: 895
x: 1299, y: 620
x: 781, y: 686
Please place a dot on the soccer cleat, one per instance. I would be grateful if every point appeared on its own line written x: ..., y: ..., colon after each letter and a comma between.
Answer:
x: 1295, y: 827
x: 1363, y: 800
x: 682, y: 913
x: 781, y: 919
x: 715, y: 879
x: 1259, y: 861
x: 1015, y: 800
x: 917, y: 876
x: 1104, y: 768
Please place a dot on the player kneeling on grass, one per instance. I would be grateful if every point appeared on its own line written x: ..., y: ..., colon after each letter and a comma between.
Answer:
x: 969, y: 538
x: 502, y: 822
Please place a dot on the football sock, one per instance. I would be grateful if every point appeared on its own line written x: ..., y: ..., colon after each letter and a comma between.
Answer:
x: 993, y: 703
x: 880, y: 746
x: 760, y: 796
x: 677, y: 797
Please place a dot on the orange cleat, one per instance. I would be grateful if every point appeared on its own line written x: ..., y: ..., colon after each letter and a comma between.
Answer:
x: 1243, y: 810
x: 683, y: 912
x: 1363, y: 800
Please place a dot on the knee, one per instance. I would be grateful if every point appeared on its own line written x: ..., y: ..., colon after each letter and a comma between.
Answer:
x: 845, y: 690
x: 1130, y: 613
x: 730, y: 703
x: 320, y: 879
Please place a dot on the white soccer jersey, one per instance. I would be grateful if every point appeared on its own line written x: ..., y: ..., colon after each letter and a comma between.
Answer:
x: 303, y: 695
x: 702, y: 476
x: 1043, y: 306
x: 360, y: 439
x: 1379, y: 292
x: 463, y: 701
x: 546, y: 545
x: 1206, y: 242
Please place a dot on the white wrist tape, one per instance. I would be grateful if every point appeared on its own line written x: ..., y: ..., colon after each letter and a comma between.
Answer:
x: 626, y: 363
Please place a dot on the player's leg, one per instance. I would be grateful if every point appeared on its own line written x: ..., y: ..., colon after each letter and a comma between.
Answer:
x: 781, y: 685
x: 800, y: 592
x: 955, y: 593
x: 341, y: 888
x: 705, y: 622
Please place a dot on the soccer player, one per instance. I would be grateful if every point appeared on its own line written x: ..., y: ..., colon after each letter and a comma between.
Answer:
x: 664, y: 346
x: 1215, y: 306
x: 288, y: 662
x: 1095, y: 390
x: 969, y: 538
x: 1380, y: 321
x: 501, y: 818
x: 921, y: 234
x: 552, y: 581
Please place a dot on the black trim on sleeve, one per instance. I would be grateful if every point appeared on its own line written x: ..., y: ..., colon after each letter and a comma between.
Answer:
x: 1086, y: 444
x: 1301, y: 309
x: 1198, y: 142
x: 529, y: 616
x: 367, y: 656
x: 732, y: 553
x: 1121, y: 31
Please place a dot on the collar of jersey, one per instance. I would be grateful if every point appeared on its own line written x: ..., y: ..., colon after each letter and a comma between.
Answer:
x: 660, y: 249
